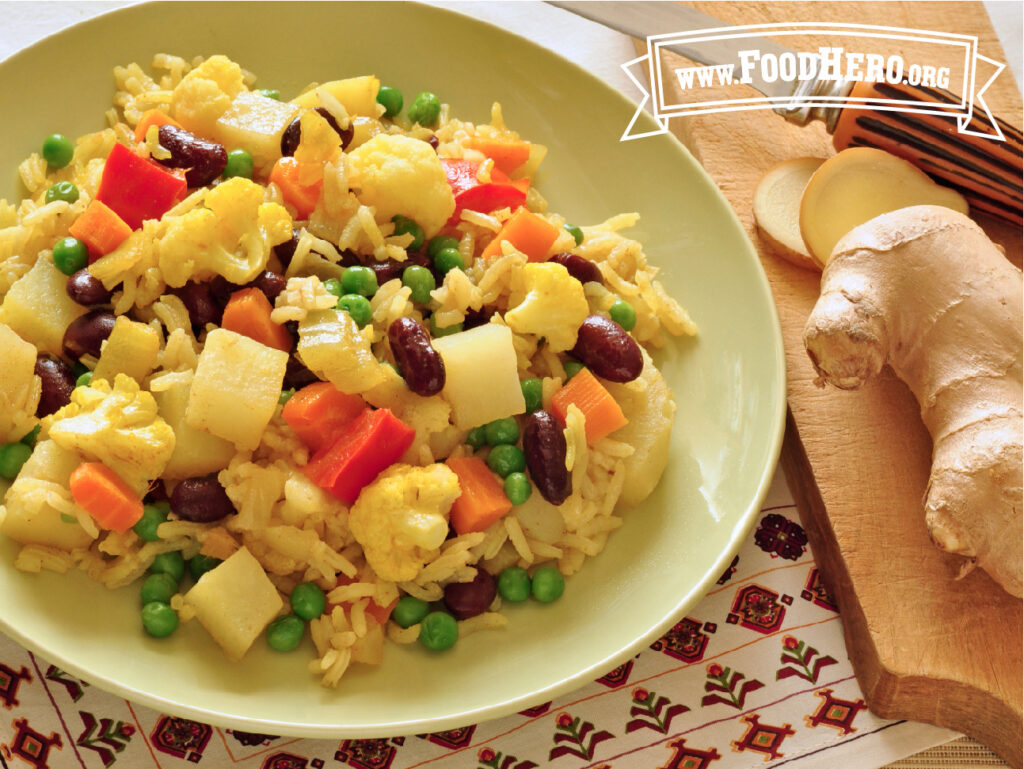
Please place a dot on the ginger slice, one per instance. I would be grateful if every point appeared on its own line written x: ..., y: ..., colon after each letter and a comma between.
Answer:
x: 777, y: 209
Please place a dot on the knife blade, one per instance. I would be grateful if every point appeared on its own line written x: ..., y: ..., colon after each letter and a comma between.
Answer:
x: 986, y: 171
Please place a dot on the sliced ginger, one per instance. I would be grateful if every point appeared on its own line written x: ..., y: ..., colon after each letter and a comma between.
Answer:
x: 777, y: 209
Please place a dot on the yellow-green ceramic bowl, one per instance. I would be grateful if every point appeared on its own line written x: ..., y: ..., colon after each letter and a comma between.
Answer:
x: 728, y: 382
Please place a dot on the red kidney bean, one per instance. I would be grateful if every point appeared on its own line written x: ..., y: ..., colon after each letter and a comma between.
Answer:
x: 545, y: 449
x: 58, y: 381
x: 86, y: 289
x: 467, y: 599
x: 86, y: 333
x: 390, y: 269
x: 420, y: 363
x: 201, y: 500
x: 584, y: 270
x: 285, y: 251
x: 198, y: 300
x: 205, y: 160
x: 433, y: 141
x: 270, y: 283
x: 293, y: 133
x: 606, y: 349
x: 297, y: 376
x: 157, y: 492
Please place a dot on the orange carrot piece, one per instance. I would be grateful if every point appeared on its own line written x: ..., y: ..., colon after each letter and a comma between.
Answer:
x: 248, y: 313
x: 507, y: 155
x: 526, y: 231
x: 155, y: 117
x: 603, y: 415
x: 319, y: 413
x: 100, y: 229
x: 482, y: 501
x: 102, y: 494
x: 302, y: 197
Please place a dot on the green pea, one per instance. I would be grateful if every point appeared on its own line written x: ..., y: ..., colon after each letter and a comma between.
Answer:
x: 239, y: 164
x: 270, y: 93
x: 146, y: 526
x: 425, y: 109
x: 532, y: 394
x: 548, y: 584
x: 57, y: 150
x: 421, y: 281
x: 439, y: 631
x: 359, y: 280
x: 333, y: 286
x: 441, y: 241
x: 159, y: 619
x: 477, y: 437
x: 437, y: 332
x: 285, y: 396
x: 199, y: 564
x: 502, y: 431
x: 70, y: 255
x: 30, y: 439
x: 358, y: 307
x: 172, y: 563
x: 409, y: 611
x: 517, y: 487
x: 12, y: 457
x: 506, y: 459
x: 623, y: 314
x: 308, y: 600
x: 158, y: 587
x: 572, y: 368
x: 514, y: 584
x: 406, y: 226
x: 285, y: 633
x: 576, y: 232
x: 84, y: 380
x: 391, y: 99
x: 448, y: 259
x: 62, y: 191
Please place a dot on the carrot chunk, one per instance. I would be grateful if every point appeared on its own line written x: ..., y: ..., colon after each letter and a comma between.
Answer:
x: 319, y: 413
x: 248, y: 313
x: 603, y: 415
x: 507, y: 155
x: 526, y: 231
x: 302, y: 197
x: 102, y: 494
x: 482, y: 501
x: 100, y: 229
x: 153, y: 117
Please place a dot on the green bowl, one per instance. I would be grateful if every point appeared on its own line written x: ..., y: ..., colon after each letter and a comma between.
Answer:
x: 729, y: 382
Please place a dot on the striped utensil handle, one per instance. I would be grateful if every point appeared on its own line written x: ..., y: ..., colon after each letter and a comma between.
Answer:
x: 988, y: 172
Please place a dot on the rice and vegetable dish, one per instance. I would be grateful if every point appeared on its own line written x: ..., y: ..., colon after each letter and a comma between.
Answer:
x: 327, y: 363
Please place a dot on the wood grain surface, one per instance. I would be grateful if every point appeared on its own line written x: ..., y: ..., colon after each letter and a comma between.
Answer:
x: 925, y: 645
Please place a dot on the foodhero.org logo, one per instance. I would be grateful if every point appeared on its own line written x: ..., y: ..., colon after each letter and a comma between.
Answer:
x: 797, y: 72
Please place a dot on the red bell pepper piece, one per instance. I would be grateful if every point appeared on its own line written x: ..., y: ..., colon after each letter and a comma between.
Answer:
x: 137, y: 189
x: 373, y: 441
x: 471, y: 194
x: 319, y: 413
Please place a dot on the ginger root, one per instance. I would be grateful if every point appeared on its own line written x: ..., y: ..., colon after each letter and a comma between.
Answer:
x: 924, y: 290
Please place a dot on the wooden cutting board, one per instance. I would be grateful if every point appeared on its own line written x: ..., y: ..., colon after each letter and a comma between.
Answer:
x: 925, y: 646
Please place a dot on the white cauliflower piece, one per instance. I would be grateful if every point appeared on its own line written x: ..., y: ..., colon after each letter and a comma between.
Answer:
x: 231, y: 235
x: 206, y: 93
x: 402, y: 175
x: 401, y: 519
x: 118, y: 426
x: 548, y: 302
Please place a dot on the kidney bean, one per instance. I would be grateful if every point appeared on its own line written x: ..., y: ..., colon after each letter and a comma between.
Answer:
x: 86, y: 289
x: 157, y: 492
x: 420, y: 363
x: 467, y: 599
x: 607, y: 350
x: 205, y: 160
x: 198, y: 300
x: 297, y: 376
x: 270, y: 283
x: 86, y: 333
x: 545, y: 448
x: 293, y: 133
x: 201, y: 500
x: 285, y: 251
x: 58, y: 381
x: 390, y: 269
x: 433, y: 141
x: 584, y: 270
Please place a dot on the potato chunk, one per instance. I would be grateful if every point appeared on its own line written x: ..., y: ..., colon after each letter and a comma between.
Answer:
x: 19, y: 386
x: 195, y: 452
x: 131, y: 349
x: 38, y: 307
x: 236, y: 388
x: 255, y: 122
x: 235, y: 602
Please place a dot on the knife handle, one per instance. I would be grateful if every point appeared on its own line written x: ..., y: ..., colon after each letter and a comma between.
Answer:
x: 988, y: 172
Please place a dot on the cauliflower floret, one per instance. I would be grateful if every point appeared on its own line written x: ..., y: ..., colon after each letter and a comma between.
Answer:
x: 205, y: 93
x: 231, y: 236
x: 402, y: 175
x: 401, y: 518
x: 548, y: 302
x: 118, y: 426
x: 332, y: 347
